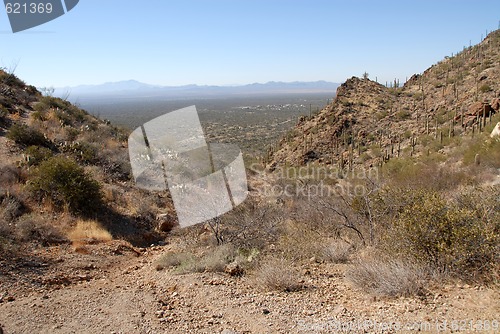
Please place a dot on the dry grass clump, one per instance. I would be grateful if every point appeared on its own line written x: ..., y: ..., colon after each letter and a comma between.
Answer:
x: 278, y: 274
x: 173, y: 259
x: 10, y: 208
x: 390, y: 277
x: 214, y: 260
x: 89, y: 232
x: 301, y: 241
x: 336, y: 251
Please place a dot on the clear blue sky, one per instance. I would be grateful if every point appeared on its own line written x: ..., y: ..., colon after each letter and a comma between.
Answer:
x: 223, y: 42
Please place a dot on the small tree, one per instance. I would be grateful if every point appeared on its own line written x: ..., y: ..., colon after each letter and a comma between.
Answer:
x: 365, y: 75
x: 28, y: 136
x: 66, y: 184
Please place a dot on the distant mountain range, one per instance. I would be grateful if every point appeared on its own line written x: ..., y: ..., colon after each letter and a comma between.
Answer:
x: 136, y: 89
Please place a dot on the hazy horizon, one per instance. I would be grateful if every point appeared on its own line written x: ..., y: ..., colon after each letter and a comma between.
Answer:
x: 221, y: 42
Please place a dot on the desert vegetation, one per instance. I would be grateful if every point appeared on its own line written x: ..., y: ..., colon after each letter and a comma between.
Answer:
x: 382, y: 193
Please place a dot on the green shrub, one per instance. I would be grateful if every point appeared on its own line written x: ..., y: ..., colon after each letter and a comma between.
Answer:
x: 3, y: 115
x: 11, y: 79
x: 403, y: 115
x: 53, y: 102
x: 488, y: 152
x: 84, y: 152
x: 66, y: 184
x: 37, y: 154
x: 485, y: 88
x: 25, y: 135
x: 71, y: 133
x: 215, y: 260
x: 449, y: 237
x: 39, y: 116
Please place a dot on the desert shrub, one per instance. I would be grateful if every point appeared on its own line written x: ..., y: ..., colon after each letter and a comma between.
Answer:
x: 300, y: 241
x: 277, y: 274
x: 173, y: 259
x: 390, y: 277
x: 488, y: 151
x: 219, y: 258
x: 336, y: 251
x: 63, y: 117
x: 403, y: 115
x: 54, y: 102
x: 9, y: 175
x: 25, y: 135
x: 6, y: 241
x: 89, y: 232
x: 39, y: 116
x: 451, y: 238
x: 214, y: 260
x: 10, y: 208
x: 407, y: 173
x: 84, y: 152
x: 11, y: 79
x: 485, y: 88
x: 71, y: 133
x: 32, y: 227
x: 3, y: 115
x: 63, y: 110
x: 37, y: 154
x: 252, y: 225
x: 66, y: 184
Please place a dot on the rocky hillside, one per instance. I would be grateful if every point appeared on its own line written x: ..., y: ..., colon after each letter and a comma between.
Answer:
x: 368, y: 123
x: 63, y: 172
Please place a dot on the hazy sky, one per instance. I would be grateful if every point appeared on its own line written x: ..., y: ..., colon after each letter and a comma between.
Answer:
x: 223, y: 42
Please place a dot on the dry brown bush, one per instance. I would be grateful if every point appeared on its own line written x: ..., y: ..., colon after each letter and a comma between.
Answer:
x: 9, y: 175
x: 36, y: 228
x: 277, y: 274
x: 336, y: 251
x: 390, y: 277
x: 11, y: 208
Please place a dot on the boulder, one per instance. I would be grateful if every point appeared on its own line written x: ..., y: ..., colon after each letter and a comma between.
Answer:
x: 480, y: 108
x: 233, y: 269
x: 496, y: 131
x: 495, y: 104
x: 310, y: 156
x: 166, y: 222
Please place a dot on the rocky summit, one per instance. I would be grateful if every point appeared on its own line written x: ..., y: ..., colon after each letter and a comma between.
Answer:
x: 370, y: 122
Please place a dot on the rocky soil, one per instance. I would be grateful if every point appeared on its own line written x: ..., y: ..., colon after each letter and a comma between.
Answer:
x: 115, y: 288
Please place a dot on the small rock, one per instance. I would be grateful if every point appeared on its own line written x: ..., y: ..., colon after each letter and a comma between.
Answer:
x: 233, y: 269
x: 266, y: 311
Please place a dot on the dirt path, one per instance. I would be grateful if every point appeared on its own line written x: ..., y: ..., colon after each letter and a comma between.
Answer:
x: 117, y: 292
